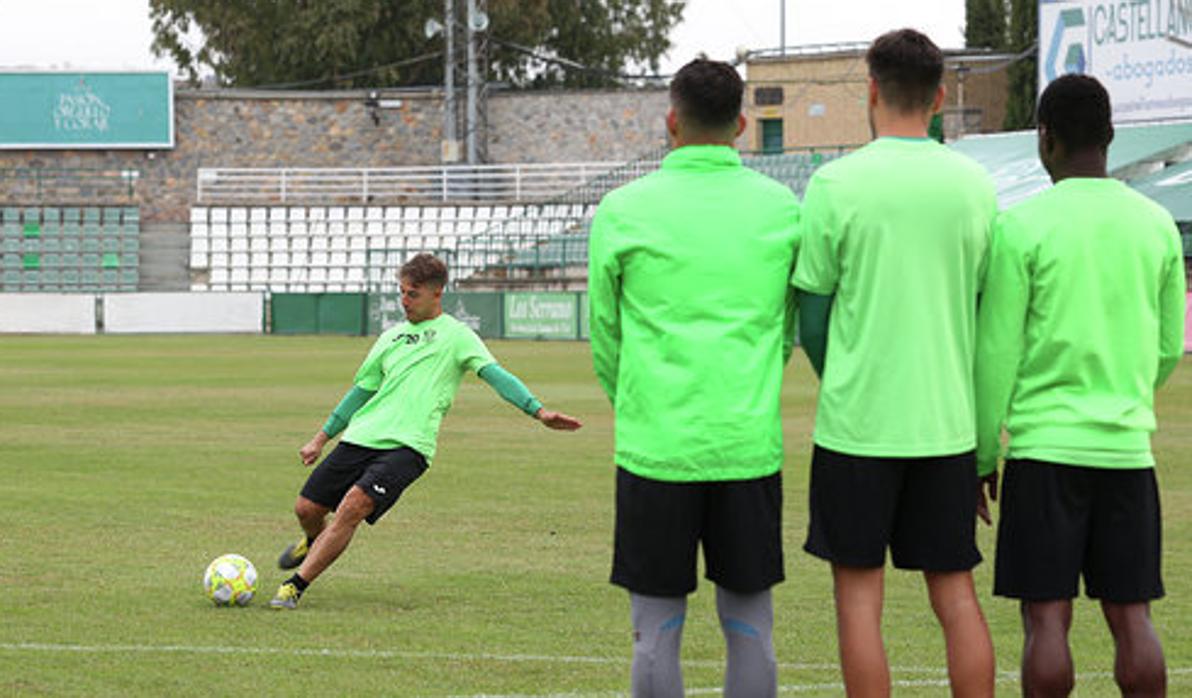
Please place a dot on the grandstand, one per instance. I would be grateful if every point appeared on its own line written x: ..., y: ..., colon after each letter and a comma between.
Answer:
x: 69, y: 249
x: 516, y: 242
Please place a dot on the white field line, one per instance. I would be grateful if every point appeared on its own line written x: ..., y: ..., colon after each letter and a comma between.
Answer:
x: 1004, y: 677
x: 378, y: 654
x: 941, y: 681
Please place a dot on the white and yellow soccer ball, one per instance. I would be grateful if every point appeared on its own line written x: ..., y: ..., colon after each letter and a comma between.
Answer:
x: 230, y: 580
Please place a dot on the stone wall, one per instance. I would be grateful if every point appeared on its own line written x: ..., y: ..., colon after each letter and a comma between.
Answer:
x: 576, y: 126
x: 241, y: 128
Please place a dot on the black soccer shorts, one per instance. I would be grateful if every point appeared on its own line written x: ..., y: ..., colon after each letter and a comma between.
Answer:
x: 923, y: 509
x: 383, y: 474
x: 1058, y: 522
x: 660, y: 526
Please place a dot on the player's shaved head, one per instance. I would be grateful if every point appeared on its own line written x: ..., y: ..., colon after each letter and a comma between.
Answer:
x: 1075, y: 110
x: 907, y: 67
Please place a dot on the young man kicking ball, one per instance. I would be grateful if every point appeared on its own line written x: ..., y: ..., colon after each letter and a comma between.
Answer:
x: 1081, y: 320
x: 391, y: 416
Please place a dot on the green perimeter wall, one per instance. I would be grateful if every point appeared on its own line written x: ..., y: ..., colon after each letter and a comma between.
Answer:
x: 318, y: 313
x: 512, y: 315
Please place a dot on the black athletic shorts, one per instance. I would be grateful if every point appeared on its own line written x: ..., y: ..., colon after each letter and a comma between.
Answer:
x: 1057, y: 522
x: 923, y: 509
x: 659, y: 526
x: 383, y: 474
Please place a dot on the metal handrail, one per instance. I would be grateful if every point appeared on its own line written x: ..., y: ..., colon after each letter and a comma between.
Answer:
x: 521, y: 182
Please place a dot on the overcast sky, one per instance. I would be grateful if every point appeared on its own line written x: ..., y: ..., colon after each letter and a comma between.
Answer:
x: 115, y: 34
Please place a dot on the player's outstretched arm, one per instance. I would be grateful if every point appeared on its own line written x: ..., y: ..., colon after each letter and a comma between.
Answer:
x: 557, y: 420
x: 516, y: 393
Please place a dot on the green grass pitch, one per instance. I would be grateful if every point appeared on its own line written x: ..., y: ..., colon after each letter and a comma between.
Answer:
x: 129, y: 463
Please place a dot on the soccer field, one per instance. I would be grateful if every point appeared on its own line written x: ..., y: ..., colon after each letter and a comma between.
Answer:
x: 129, y: 463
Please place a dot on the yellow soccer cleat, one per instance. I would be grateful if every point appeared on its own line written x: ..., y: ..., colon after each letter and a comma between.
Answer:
x: 293, y: 555
x: 286, y: 597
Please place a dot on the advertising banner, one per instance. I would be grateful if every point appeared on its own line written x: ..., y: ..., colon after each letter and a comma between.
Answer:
x: 1141, y: 50
x: 1188, y: 323
x: 60, y: 110
x: 541, y: 315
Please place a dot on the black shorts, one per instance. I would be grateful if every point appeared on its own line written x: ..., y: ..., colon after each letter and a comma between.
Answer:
x: 383, y: 474
x: 1057, y: 522
x: 923, y: 509
x: 659, y: 526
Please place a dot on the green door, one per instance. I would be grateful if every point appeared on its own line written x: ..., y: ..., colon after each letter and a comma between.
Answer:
x: 772, y: 142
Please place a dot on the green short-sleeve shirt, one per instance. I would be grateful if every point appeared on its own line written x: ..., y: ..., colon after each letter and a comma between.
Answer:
x: 898, y: 231
x: 415, y: 370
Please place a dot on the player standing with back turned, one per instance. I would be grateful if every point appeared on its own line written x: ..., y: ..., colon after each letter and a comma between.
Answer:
x: 894, y: 239
x: 689, y: 312
x: 1082, y: 319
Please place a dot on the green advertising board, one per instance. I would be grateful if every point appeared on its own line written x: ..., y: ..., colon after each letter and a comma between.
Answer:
x: 541, y: 315
x: 583, y: 315
x: 71, y: 110
x: 481, y: 311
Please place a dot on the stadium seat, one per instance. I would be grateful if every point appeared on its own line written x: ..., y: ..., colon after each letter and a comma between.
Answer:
x: 50, y: 279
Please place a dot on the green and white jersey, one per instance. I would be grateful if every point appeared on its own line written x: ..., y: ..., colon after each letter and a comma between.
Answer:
x: 898, y: 231
x: 415, y: 370
x: 1081, y: 319
x: 689, y: 316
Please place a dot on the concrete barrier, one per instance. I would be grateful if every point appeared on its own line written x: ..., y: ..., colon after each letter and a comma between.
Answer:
x: 47, y: 313
x: 129, y: 313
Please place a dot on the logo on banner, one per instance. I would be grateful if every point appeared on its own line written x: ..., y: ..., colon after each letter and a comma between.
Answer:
x: 1066, y: 53
x: 81, y: 110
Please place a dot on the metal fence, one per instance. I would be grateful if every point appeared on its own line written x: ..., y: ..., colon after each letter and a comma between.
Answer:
x: 523, y: 182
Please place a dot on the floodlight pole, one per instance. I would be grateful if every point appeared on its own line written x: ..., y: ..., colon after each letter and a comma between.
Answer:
x: 449, y: 79
x: 473, y: 118
x: 782, y: 27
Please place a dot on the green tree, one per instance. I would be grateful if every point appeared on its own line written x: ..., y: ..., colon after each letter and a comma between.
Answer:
x: 985, y: 24
x: 1024, y: 33
x: 378, y: 43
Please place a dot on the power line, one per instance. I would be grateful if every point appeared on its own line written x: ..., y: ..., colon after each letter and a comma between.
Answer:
x: 568, y: 64
x: 354, y: 74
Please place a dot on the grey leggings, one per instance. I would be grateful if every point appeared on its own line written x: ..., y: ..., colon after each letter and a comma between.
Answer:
x: 747, y: 621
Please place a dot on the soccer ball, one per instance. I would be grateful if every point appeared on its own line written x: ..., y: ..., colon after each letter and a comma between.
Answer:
x: 230, y: 580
